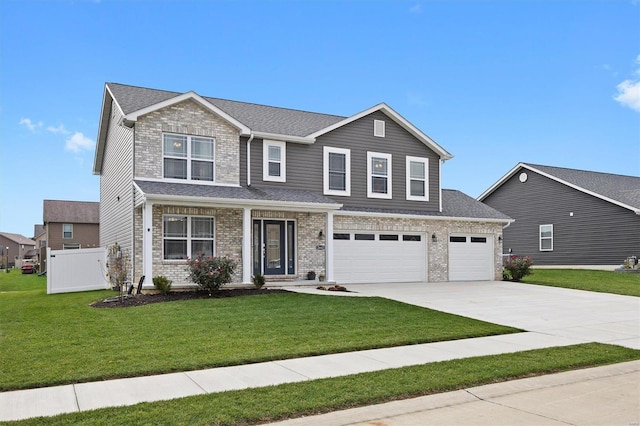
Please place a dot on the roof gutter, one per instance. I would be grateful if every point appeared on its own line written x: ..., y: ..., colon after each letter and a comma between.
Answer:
x: 285, y: 138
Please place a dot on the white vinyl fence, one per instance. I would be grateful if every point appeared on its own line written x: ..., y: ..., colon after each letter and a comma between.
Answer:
x: 76, y: 270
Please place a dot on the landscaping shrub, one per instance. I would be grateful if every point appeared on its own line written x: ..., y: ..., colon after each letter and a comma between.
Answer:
x: 518, y: 267
x: 162, y: 284
x: 258, y: 281
x: 209, y: 272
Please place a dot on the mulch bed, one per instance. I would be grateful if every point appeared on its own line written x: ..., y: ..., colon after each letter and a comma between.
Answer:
x: 145, y: 299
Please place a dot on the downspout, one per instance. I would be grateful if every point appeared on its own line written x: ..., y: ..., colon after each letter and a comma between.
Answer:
x: 440, y: 182
x: 249, y: 159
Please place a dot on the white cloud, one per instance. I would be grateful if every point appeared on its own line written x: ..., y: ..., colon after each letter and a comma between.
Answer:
x: 78, y: 142
x: 30, y: 124
x: 59, y: 129
x: 416, y: 8
x: 629, y: 91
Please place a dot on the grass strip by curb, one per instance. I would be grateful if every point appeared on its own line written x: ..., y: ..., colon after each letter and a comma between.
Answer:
x: 253, y: 406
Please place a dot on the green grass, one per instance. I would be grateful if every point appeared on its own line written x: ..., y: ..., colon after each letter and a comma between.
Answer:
x: 253, y: 406
x: 57, y: 339
x: 590, y: 280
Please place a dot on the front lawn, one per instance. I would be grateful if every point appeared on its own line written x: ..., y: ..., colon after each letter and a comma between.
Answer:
x: 261, y: 405
x: 584, y: 279
x: 56, y: 339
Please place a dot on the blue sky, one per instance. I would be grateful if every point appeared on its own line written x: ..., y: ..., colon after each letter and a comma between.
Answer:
x: 493, y: 82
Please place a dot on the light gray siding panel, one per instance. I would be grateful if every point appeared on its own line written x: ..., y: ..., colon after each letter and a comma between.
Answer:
x: 304, y: 163
x: 598, y: 232
x: 116, y: 195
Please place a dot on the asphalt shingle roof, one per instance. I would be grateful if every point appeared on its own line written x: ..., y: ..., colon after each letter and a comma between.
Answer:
x: 455, y: 204
x: 259, y: 118
x: 71, y: 211
x: 232, y: 192
x: 620, y: 188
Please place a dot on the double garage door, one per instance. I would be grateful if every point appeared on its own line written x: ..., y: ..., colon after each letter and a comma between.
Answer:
x: 362, y: 257
x: 370, y: 257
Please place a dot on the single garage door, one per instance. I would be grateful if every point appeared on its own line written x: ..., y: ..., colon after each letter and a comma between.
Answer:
x: 361, y: 257
x: 471, y: 258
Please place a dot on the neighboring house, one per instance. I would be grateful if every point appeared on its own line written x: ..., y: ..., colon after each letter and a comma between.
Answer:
x: 70, y: 225
x: 13, y: 248
x: 568, y: 217
x: 40, y: 238
x: 285, y: 192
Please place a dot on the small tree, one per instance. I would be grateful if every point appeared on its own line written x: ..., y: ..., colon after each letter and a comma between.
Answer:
x: 210, y: 273
x: 118, y: 265
x: 518, y: 267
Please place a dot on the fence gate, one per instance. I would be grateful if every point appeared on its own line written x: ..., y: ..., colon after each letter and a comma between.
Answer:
x: 76, y: 270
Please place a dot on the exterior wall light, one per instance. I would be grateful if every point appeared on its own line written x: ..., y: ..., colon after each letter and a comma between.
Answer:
x: 434, y: 238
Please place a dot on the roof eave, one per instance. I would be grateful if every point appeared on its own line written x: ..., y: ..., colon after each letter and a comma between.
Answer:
x: 286, y: 138
x: 191, y: 95
x: 105, y: 114
x: 418, y: 216
x: 240, y: 203
x: 557, y: 179
x: 389, y: 112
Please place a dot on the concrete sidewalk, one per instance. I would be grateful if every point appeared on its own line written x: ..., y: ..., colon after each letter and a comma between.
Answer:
x: 608, y: 395
x: 50, y: 401
x: 555, y: 317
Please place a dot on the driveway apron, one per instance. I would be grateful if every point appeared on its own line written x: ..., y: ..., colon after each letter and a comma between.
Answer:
x: 583, y: 315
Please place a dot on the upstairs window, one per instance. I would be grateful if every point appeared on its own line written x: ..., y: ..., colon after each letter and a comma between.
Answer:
x: 379, y: 175
x: 188, y: 157
x: 546, y: 237
x: 274, y: 156
x: 417, y: 183
x: 67, y: 231
x: 337, y: 171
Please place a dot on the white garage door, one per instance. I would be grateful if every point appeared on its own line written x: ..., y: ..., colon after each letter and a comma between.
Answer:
x: 471, y: 257
x: 361, y: 257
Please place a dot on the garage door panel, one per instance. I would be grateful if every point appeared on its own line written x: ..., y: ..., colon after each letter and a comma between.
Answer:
x: 470, y: 258
x: 379, y: 260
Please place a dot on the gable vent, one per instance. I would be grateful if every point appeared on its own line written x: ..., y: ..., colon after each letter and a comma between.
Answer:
x: 378, y: 128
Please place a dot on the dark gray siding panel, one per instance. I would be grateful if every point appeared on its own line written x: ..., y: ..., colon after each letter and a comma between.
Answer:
x: 304, y: 163
x: 598, y: 232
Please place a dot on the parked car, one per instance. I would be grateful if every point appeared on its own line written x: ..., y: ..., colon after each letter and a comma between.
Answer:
x: 28, y: 266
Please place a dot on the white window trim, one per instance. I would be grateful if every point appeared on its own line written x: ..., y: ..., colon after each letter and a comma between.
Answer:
x: 265, y: 161
x: 347, y: 157
x: 370, y: 193
x: 189, y: 237
x: 546, y: 238
x: 63, y: 231
x: 379, y: 128
x: 189, y: 159
x: 424, y: 161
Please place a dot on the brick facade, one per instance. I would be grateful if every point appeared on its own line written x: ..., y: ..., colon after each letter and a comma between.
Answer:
x: 187, y: 118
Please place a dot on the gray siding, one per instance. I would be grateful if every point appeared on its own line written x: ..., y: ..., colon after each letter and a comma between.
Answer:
x: 304, y: 163
x: 598, y: 233
x: 116, y: 194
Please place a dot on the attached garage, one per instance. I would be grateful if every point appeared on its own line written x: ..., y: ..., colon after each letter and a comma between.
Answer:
x: 370, y: 257
x: 471, y: 258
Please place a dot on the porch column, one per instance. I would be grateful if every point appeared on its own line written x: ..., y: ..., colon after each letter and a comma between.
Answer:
x: 147, y: 242
x: 329, y: 248
x: 246, y: 246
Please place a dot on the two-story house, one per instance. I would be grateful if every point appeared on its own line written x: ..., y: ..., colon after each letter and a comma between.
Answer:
x: 285, y: 192
x: 69, y: 225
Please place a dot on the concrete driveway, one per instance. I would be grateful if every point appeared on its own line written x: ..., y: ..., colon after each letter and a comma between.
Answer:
x: 582, y: 315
